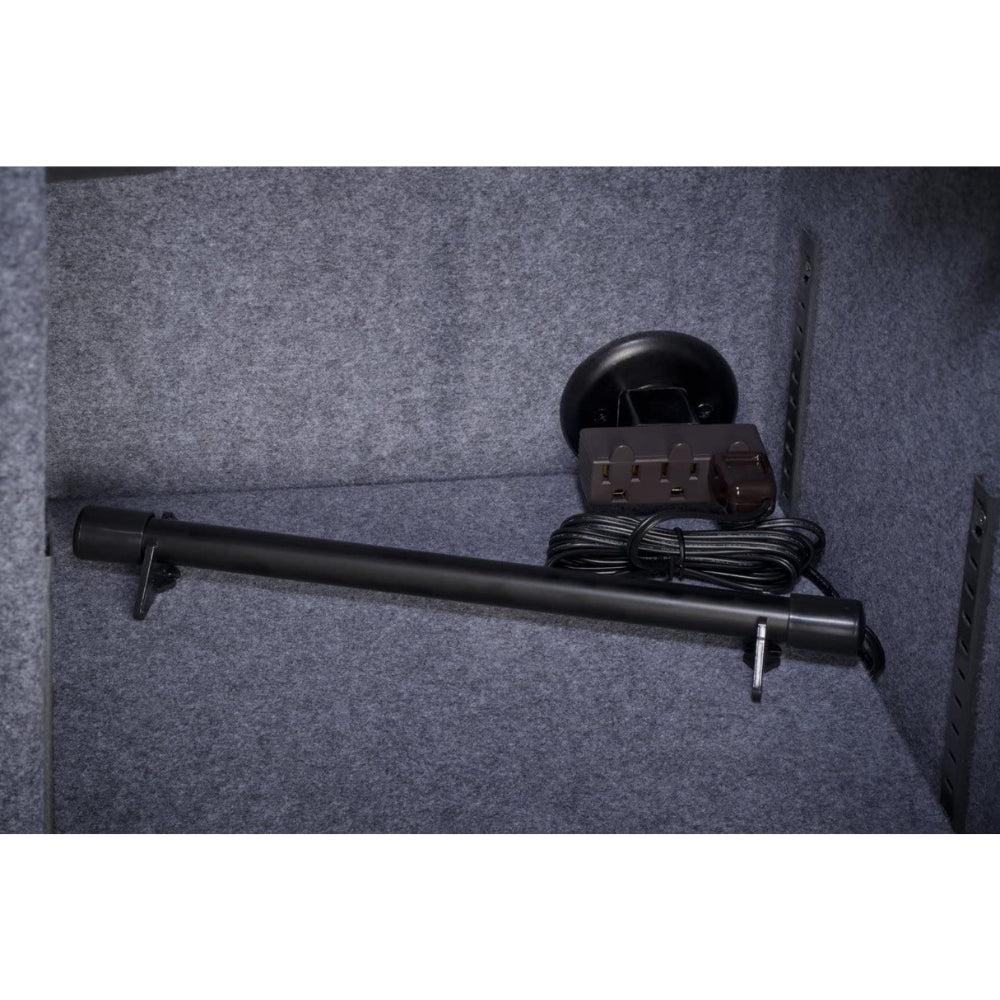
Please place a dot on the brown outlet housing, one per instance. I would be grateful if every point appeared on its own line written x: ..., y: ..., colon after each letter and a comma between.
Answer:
x: 656, y: 465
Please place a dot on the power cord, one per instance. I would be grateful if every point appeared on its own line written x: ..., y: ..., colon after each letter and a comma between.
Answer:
x: 769, y: 555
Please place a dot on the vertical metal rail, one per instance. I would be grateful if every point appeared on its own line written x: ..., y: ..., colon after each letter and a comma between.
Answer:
x: 806, y: 293
x: 960, y: 730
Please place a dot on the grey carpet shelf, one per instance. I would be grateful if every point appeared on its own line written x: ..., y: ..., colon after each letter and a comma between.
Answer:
x: 246, y: 704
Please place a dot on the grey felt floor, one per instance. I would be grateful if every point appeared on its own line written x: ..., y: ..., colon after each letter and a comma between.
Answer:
x: 252, y: 705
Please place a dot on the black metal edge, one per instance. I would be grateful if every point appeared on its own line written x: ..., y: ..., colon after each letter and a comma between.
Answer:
x: 806, y: 292
x: 959, y: 737
x: 48, y: 697
x: 53, y: 175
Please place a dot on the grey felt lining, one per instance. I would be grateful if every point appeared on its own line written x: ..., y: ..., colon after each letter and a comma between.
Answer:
x: 903, y: 413
x: 230, y: 329
x: 23, y: 570
x: 251, y: 329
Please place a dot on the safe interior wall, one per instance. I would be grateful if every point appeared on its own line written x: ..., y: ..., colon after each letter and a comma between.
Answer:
x: 377, y: 355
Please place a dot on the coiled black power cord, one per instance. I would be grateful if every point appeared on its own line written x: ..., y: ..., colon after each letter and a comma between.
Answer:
x: 769, y: 555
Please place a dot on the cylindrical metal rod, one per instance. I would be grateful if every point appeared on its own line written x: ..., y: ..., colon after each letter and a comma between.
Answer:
x: 819, y: 623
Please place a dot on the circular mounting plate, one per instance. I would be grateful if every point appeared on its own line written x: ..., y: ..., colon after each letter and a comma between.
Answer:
x: 655, y: 358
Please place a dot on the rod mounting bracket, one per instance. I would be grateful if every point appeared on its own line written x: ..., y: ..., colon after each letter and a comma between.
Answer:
x: 761, y: 654
x: 154, y: 578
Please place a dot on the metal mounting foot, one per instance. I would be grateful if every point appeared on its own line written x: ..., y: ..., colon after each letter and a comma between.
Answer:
x: 154, y: 578
x: 762, y: 654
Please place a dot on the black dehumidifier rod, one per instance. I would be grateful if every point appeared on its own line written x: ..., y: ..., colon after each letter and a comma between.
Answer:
x: 801, y: 620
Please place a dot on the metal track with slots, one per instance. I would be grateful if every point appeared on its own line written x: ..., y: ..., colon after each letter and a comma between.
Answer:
x: 960, y: 727
x: 806, y: 290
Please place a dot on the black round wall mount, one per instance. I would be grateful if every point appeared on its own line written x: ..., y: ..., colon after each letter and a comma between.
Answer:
x: 595, y: 395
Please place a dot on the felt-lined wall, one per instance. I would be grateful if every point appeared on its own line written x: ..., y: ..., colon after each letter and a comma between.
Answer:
x: 903, y: 412
x: 229, y: 329
x: 23, y: 565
